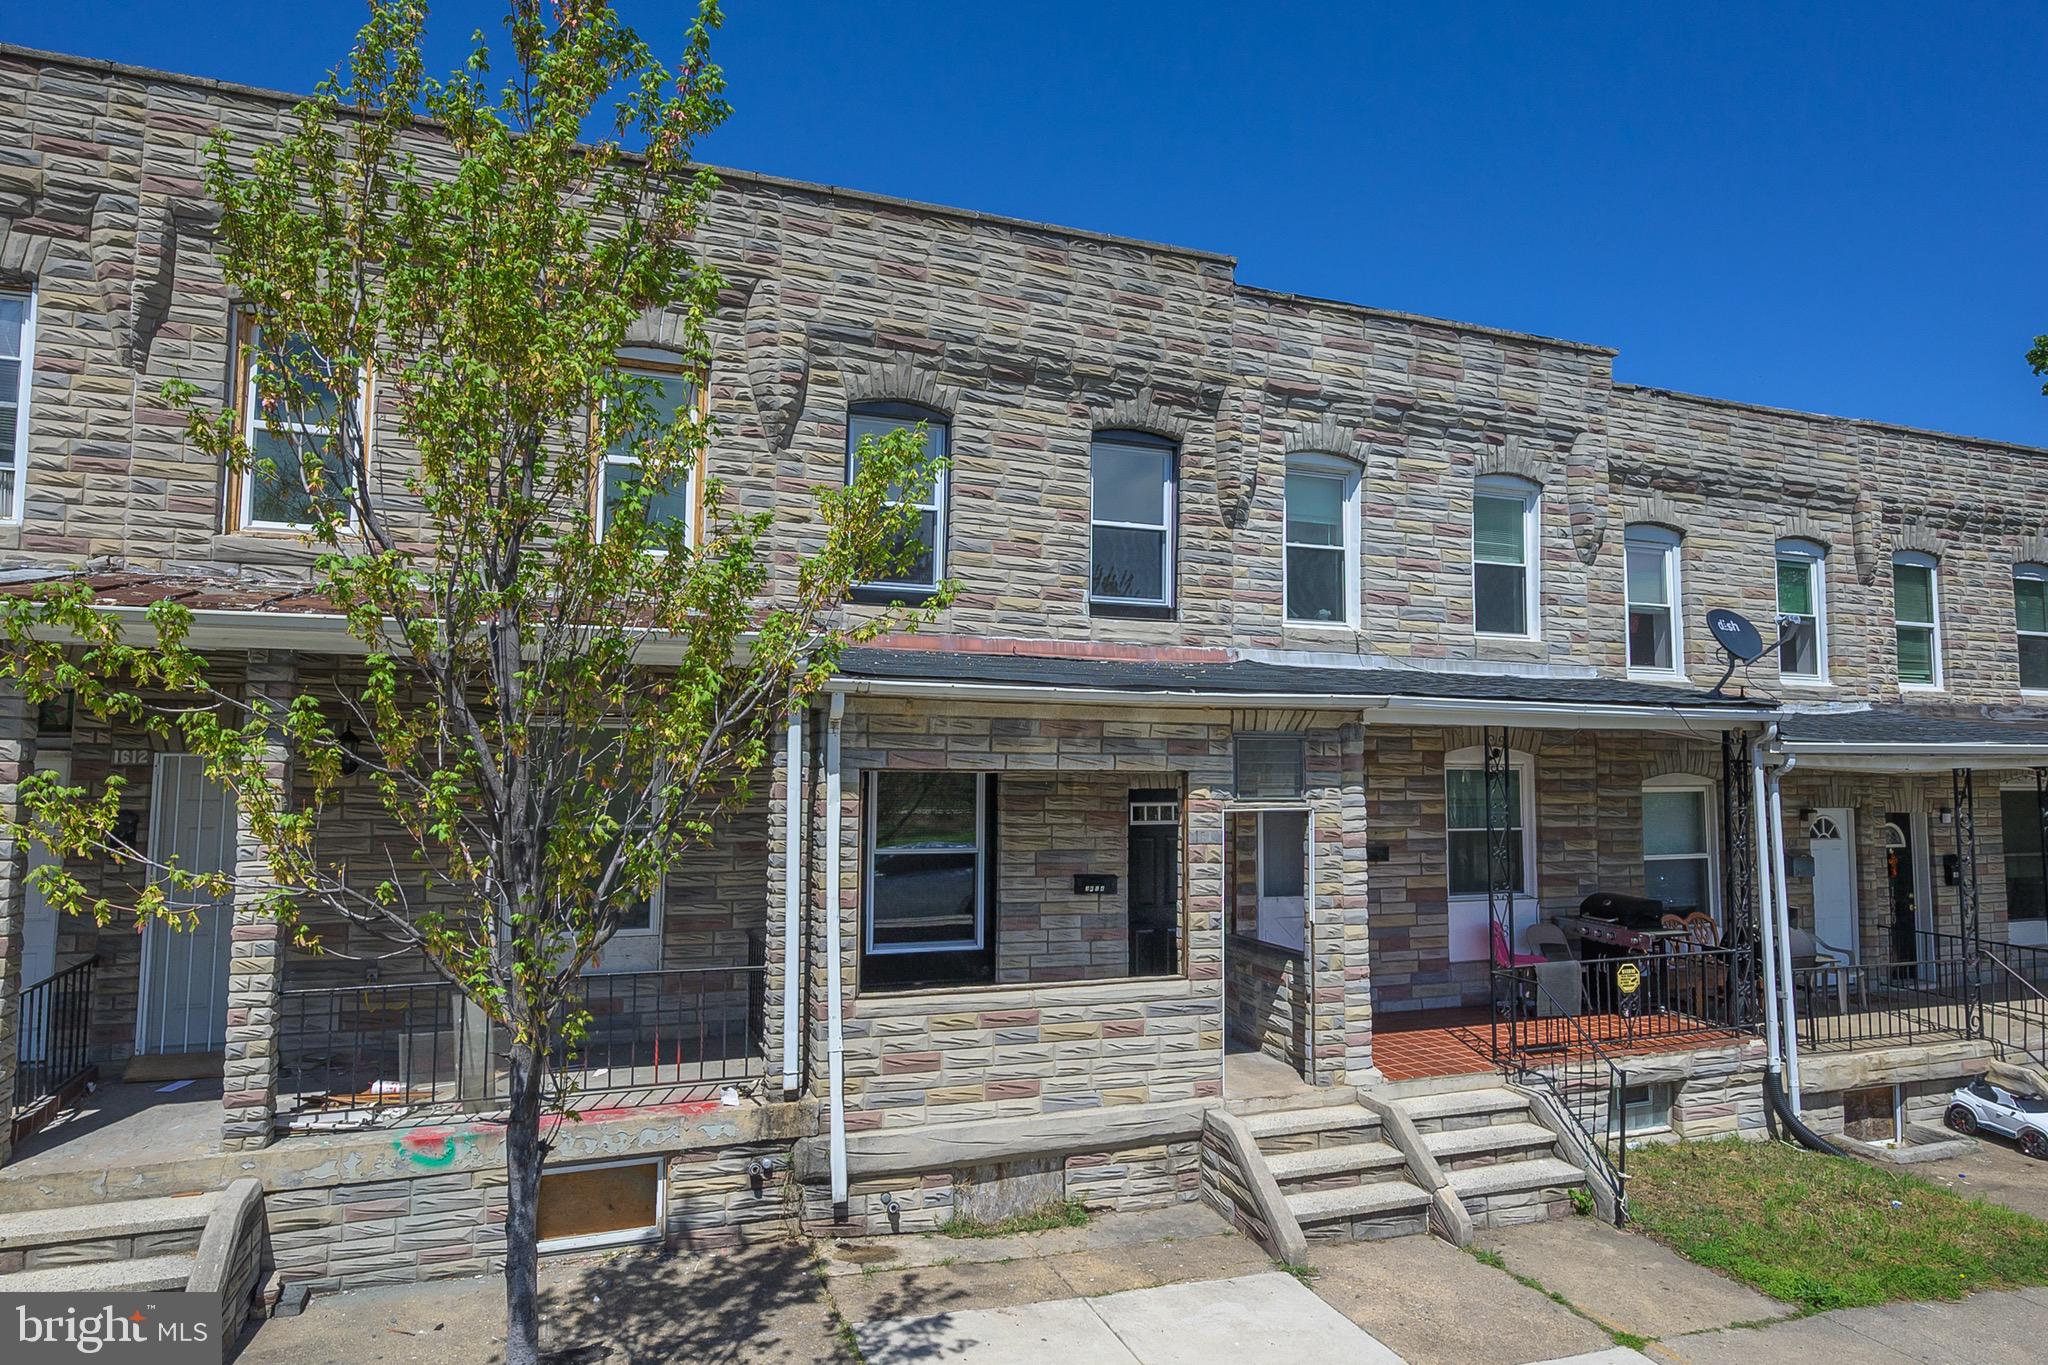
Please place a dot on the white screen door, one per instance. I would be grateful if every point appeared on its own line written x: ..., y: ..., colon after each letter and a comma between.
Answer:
x: 1833, y: 846
x: 183, y: 1005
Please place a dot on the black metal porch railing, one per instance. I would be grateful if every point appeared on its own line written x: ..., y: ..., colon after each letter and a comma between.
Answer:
x: 1637, y: 1000
x: 53, y: 1039
x: 354, y: 1054
x: 1588, y: 1086
x: 1855, y: 1005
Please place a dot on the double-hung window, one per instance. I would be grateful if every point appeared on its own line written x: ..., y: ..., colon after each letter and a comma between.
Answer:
x: 930, y: 850
x: 2030, y: 608
x: 1132, y: 495
x: 669, y: 394
x: 1652, y: 591
x: 1321, y: 540
x: 1504, y: 538
x: 2022, y: 818
x: 301, y: 422
x: 923, y: 563
x: 1469, y: 850
x: 17, y: 360
x: 1916, y: 614
x: 1678, y: 863
x: 1802, y: 611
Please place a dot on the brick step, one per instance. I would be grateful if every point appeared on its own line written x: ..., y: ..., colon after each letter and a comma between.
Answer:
x: 1323, y: 1163
x: 147, y: 1274
x: 1455, y: 1148
x: 144, y: 1227
x: 1377, y: 1199
x: 1514, y: 1177
x: 1463, y: 1108
x: 1287, y: 1128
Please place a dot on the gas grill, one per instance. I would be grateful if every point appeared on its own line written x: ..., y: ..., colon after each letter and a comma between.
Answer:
x: 1618, y: 925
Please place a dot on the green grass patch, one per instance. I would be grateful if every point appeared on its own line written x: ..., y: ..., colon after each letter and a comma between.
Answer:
x: 1827, y: 1232
x: 1068, y: 1213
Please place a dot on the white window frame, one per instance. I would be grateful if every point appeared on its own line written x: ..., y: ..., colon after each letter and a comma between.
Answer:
x: 2031, y: 573
x: 1345, y: 473
x: 1169, y: 502
x: 1710, y: 833
x: 1657, y: 1099
x: 648, y: 362
x: 23, y: 389
x: 873, y: 851
x: 253, y: 419
x: 651, y: 1232
x: 933, y: 421
x: 1284, y: 917
x: 1815, y: 557
x: 1667, y: 544
x: 1512, y: 487
x: 1915, y: 559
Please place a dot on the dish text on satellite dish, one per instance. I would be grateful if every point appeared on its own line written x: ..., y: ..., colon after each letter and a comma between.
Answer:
x: 1735, y: 634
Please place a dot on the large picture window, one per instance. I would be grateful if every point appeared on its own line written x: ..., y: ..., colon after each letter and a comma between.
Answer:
x: 1131, y: 492
x: 1504, y: 537
x: 2030, y: 609
x: 2020, y: 813
x: 927, y: 562
x: 930, y: 841
x: 668, y: 391
x: 1802, y: 611
x: 1321, y: 535
x: 1916, y: 610
x: 1652, y: 591
x: 1678, y: 863
x: 17, y: 362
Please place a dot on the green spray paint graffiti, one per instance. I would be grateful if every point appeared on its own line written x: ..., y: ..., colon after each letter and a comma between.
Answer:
x: 433, y: 1150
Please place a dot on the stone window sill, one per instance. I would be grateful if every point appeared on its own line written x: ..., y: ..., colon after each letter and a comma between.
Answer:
x: 1120, y: 990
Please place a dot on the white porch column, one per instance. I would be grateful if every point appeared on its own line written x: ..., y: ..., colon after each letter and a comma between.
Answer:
x: 256, y: 957
x: 17, y: 760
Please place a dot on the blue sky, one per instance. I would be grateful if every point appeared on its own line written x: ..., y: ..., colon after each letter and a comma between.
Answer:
x: 1831, y: 207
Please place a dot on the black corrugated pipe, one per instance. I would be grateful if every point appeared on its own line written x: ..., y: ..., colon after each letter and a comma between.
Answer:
x: 1775, y: 1106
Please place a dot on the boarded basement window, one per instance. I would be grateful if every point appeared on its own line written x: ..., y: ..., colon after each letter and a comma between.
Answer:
x: 605, y: 1204
x: 1871, y: 1114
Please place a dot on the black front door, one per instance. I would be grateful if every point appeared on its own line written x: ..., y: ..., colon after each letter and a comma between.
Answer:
x: 1154, y: 895
x: 1901, y: 878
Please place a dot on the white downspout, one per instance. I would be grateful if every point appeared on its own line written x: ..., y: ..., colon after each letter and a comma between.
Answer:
x: 793, y: 902
x: 1775, y: 780
x: 1767, y: 918
x: 835, y: 1036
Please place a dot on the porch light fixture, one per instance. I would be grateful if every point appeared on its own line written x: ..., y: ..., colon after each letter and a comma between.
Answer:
x: 1948, y: 816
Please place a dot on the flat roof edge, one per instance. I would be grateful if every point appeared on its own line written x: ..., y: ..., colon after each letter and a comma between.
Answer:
x: 1424, y: 319
x: 1861, y: 423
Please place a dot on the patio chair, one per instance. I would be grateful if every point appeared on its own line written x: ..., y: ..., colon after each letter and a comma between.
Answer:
x: 1558, y: 970
x: 1505, y: 956
x: 1826, y: 967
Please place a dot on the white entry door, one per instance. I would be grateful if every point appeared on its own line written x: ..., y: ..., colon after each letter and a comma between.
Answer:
x: 1832, y: 842
x: 183, y: 1004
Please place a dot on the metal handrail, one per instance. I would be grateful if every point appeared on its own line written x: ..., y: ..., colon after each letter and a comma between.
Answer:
x: 1606, y: 1142
x: 53, y: 1038
x: 2034, y: 1041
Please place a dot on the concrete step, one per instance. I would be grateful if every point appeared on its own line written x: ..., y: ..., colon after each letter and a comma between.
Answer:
x: 129, y: 1220
x: 1514, y: 1177
x: 1324, y: 1163
x: 147, y: 1274
x: 1463, y: 1108
x: 1378, y: 1199
x: 1455, y: 1148
x: 1290, y: 1128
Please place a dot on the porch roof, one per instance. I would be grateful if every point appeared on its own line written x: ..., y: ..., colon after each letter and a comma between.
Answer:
x: 1399, y: 693
x: 1917, y: 738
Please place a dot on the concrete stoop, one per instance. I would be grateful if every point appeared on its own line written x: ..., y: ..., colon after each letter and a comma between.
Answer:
x: 200, y: 1242
x: 1502, y: 1165
x: 1340, y: 1180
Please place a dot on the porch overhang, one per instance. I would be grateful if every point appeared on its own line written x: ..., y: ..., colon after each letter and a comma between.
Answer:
x: 1905, y: 739
x: 1384, y: 696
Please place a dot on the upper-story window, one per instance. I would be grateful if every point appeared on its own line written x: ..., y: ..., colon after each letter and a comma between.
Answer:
x: 17, y: 359
x: 2030, y: 606
x: 1504, y: 556
x: 926, y: 563
x: 1802, y: 611
x: 668, y: 390
x: 1652, y: 591
x: 1916, y: 616
x: 1132, y: 496
x: 274, y: 492
x: 1321, y: 538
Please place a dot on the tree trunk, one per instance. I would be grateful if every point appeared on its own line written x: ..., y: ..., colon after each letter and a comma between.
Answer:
x: 523, y: 1158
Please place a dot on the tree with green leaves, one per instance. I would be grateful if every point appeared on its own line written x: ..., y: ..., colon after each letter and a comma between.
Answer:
x: 563, y: 687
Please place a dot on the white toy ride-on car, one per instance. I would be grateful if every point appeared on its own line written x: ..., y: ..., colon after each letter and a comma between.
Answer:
x: 1984, y: 1106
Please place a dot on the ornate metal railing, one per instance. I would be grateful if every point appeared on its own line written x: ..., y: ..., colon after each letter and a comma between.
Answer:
x: 1858, y: 1005
x: 1626, y: 1001
x: 1589, y: 1088
x: 54, y: 1035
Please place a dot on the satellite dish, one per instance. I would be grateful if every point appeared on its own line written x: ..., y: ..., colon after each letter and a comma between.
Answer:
x: 1734, y: 633
x: 1739, y: 640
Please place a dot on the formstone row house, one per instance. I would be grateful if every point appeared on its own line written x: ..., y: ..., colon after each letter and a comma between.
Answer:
x: 1286, y: 812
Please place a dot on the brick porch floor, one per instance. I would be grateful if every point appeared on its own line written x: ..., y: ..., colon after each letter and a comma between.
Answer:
x: 1459, y: 1042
